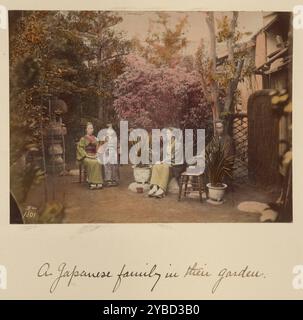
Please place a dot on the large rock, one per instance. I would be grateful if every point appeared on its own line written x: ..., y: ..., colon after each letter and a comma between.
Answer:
x: 266, y: 213
x: 252, y: 206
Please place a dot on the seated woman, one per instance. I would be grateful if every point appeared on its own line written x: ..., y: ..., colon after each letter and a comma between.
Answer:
x: 159, y: 180
x: 161, y: 171
x: 87, y: 153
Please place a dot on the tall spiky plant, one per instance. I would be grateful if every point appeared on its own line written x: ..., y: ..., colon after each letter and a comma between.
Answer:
x: 218, y: 163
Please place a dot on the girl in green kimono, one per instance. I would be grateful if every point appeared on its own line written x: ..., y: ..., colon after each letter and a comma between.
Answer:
x: 87, y: 154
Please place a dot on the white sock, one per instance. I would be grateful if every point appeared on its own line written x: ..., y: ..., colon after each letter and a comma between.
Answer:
x: 160, y: 192
x: 153, y: 189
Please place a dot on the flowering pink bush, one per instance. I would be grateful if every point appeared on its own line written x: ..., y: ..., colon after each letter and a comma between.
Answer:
x: 156, y: 97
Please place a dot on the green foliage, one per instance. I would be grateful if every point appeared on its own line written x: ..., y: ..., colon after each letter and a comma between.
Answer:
x: 71, y: 55
x: 74, y: 56
x: 23, y: 175
x: 224, y: 30
x: 225, y: 115
x: 164, y: 42
x: 236, y: 65
x: 218, y: 163
x: 52, y: 212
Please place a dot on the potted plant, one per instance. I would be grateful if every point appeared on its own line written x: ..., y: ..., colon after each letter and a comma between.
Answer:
x: 219, y: 165
x: 142, y: 173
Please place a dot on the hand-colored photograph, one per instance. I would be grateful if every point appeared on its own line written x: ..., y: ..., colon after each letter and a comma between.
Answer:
x: 150, y: 117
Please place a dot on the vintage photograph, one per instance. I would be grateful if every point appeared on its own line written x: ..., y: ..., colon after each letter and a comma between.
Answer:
x: 150, y: 117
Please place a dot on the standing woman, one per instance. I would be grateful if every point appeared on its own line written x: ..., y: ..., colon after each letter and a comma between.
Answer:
x: 87, y: 153
x: 110, y: 158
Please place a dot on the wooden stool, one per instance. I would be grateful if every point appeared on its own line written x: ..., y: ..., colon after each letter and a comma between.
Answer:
x: 82, y: 170
x: 185, y: 177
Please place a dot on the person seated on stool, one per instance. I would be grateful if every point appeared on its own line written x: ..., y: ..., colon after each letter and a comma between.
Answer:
x: 161, y: 169
x: 87, y: 154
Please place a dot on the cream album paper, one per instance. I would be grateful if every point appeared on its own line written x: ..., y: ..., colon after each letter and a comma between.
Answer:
x: 151, y: 150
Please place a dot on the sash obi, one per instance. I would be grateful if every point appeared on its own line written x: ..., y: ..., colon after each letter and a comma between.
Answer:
x: 91, y: 149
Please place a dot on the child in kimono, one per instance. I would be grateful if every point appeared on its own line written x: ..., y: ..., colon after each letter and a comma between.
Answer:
x: 110, y: 158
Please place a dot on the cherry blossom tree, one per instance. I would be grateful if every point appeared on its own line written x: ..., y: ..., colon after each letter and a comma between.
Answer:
x: 156, y: 97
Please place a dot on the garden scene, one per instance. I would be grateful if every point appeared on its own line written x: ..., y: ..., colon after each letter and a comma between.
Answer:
x: 77, y: 76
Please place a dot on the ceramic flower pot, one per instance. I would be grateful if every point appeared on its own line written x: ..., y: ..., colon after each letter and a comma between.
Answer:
x: 216, y: 193
x: 139, y: 190
x: 142, y: 175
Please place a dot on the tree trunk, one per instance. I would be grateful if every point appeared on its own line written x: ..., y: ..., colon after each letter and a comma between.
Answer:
x: 213, y: 58
x: 233, y: 83
x: 101, y: 112
x: 232, y: 87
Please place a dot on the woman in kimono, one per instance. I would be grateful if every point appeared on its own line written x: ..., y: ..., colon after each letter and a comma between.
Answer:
x: 87, y: 154
x: 161, y: 171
